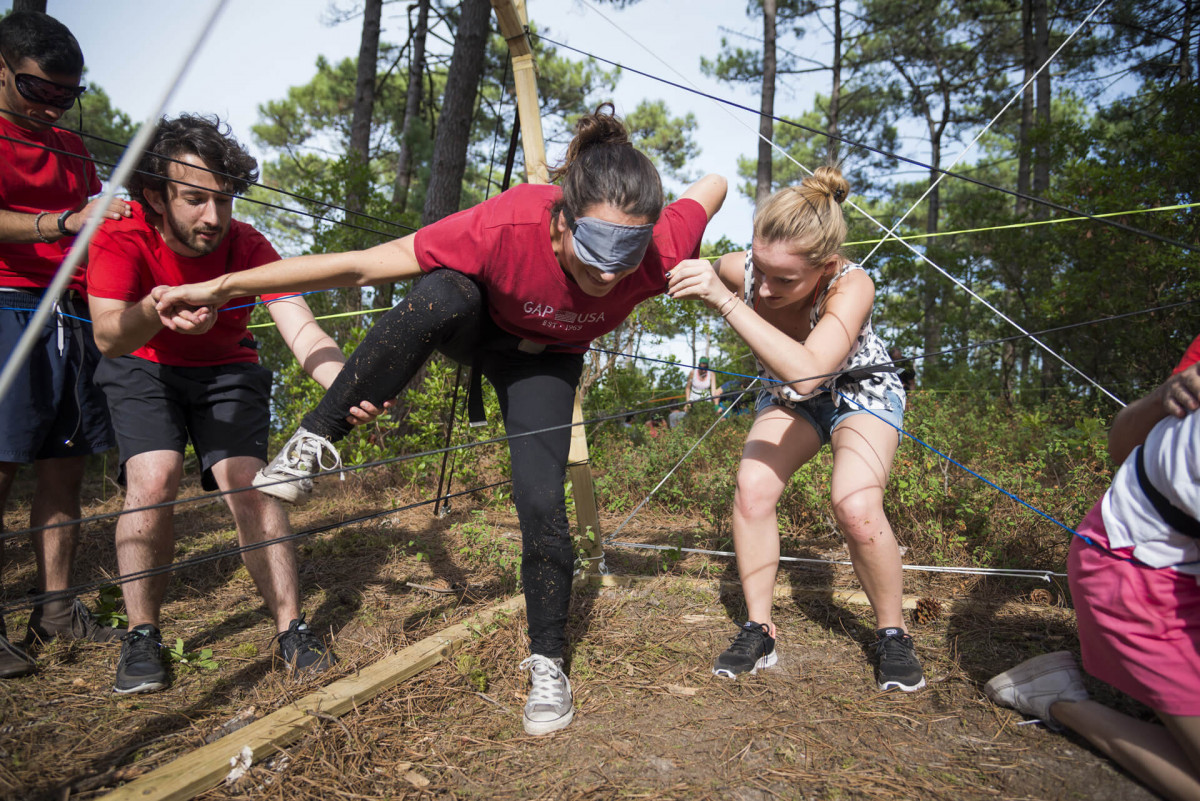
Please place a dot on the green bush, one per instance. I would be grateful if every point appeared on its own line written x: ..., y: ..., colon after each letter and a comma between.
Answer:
x: 1052, y: 457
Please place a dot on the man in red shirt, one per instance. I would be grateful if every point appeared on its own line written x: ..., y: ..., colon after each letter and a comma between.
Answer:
x: 201, y: 382
x: 53, y: 416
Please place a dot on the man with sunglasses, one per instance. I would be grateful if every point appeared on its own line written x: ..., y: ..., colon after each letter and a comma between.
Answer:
x: 53, y: 416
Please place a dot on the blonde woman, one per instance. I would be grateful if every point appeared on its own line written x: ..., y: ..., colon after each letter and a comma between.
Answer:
x: 805, y: 311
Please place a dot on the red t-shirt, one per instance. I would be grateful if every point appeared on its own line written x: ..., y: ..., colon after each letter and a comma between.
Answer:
x: 1190, y: 356
x: 32, y: 180
x: 504, y: 243
x: 128, y: 257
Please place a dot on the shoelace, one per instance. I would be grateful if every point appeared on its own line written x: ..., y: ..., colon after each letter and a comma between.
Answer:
x: 312, y: 445
x: 892, y: 646
x: 297, y: 635
x: 547, y: 689
x: 141, y: 645
x: 83, y: 622
x: 747, y: 642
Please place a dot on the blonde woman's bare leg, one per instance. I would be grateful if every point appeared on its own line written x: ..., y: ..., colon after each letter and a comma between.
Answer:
x: 778, y: 444
x: 863, y: 449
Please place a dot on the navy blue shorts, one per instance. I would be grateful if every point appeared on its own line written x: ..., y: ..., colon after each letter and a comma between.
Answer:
x: 225, y: 410
x: 53, y: 410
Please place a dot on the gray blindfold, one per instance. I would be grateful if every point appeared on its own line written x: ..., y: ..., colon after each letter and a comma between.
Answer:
x: 610, y: 247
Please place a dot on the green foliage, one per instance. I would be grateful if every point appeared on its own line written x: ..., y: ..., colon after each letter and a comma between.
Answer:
x: 471, y: 669
x: 1051, y: 456
x: 110, y: 607
x: 484, y: 545
x: 190, y: 660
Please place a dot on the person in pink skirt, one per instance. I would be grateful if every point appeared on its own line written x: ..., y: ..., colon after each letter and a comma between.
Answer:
x: 1135, y: 579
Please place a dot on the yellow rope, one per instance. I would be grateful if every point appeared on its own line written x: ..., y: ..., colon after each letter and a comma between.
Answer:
x: 1027, y: 224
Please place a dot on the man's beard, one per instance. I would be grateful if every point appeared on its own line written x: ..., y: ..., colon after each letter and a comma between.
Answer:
x: 192, y: 238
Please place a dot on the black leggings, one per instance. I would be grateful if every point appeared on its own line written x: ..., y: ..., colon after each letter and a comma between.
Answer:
x: 447, y: 311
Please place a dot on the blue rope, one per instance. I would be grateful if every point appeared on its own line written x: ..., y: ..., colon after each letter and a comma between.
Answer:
x: 1011, y: 495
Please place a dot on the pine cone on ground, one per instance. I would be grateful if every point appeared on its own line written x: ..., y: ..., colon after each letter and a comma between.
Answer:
x: 927, y: 611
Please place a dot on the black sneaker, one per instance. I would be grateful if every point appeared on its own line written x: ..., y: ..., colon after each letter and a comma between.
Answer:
x: 302, y: 650
x: 141, y: 668
x: 897, y: 666
x: 753, y: 649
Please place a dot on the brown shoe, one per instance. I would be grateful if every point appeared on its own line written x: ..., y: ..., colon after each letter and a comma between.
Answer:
x: 67, y: 618
x: 13, y: 659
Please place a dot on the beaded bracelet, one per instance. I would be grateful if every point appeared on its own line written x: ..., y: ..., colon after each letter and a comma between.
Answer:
x: 37, y: 226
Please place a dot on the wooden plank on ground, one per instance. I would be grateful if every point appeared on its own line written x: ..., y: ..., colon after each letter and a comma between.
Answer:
x: 206, y: 767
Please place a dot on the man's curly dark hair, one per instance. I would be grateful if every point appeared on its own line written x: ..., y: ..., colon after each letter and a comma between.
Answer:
x: 206, y: 137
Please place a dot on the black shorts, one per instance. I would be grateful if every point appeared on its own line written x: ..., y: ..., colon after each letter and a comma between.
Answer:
x: 224, y: 410
x: 53, y: 410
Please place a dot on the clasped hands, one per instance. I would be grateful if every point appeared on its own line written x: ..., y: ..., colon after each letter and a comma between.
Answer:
x: 176, y: 314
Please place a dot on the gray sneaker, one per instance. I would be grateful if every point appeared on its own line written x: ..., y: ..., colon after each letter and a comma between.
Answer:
x: 1032, y: 686
x: 289, y: 475
x: 70, y: 619
x: 549, y: 707
x: 14, y: 661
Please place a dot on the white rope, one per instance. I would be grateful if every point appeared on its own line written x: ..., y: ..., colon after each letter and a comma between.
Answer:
x: 867, y: 214
x: 79, y: 248
x: 1044, y: 575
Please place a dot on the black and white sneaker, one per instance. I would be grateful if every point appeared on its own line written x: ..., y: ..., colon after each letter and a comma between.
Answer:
x: 141, y: 668
x: 897, y: 666
x: 289, y: 475
x: 751, y: 650
x: 302, y: 650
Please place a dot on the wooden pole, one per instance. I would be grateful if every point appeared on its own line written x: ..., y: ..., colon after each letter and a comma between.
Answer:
x: 512, y: 18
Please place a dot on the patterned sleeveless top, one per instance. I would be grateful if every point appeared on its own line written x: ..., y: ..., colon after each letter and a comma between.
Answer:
x: 868, y: 349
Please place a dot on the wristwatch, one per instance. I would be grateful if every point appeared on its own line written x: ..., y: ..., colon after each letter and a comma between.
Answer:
x: 62, y: 222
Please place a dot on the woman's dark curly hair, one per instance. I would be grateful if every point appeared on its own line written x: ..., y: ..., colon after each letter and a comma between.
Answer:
x: 197, y: 135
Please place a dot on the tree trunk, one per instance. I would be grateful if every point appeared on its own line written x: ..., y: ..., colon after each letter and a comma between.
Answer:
x: 1024, y: 148
x: 835, y: 91
x: 358, y: 187
x: 1185, y: 41
x: 458, y: 107
x: 364, y: 105
x: 29, y: 5
x: 766, y: 127
x: 930, y: 293
x: 412, y: 108
x: 1041, y: 161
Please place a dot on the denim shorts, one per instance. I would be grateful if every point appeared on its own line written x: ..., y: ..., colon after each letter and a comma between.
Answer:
x: 824, y: 416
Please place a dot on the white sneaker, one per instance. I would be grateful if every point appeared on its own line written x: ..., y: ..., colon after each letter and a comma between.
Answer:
x: 1032, y: 686
x: 549, y: 707
x: 289, y: 475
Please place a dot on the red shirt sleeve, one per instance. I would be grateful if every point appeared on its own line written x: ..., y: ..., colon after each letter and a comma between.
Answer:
x: 459, y: 241
x: 117, y: 265
x: 1190, y: 356
x: 683, y: 234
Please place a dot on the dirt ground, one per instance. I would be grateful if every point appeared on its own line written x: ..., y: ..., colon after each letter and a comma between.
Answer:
x: 651, y: 720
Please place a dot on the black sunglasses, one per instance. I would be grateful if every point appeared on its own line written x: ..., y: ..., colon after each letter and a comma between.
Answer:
x: 44, y: 92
